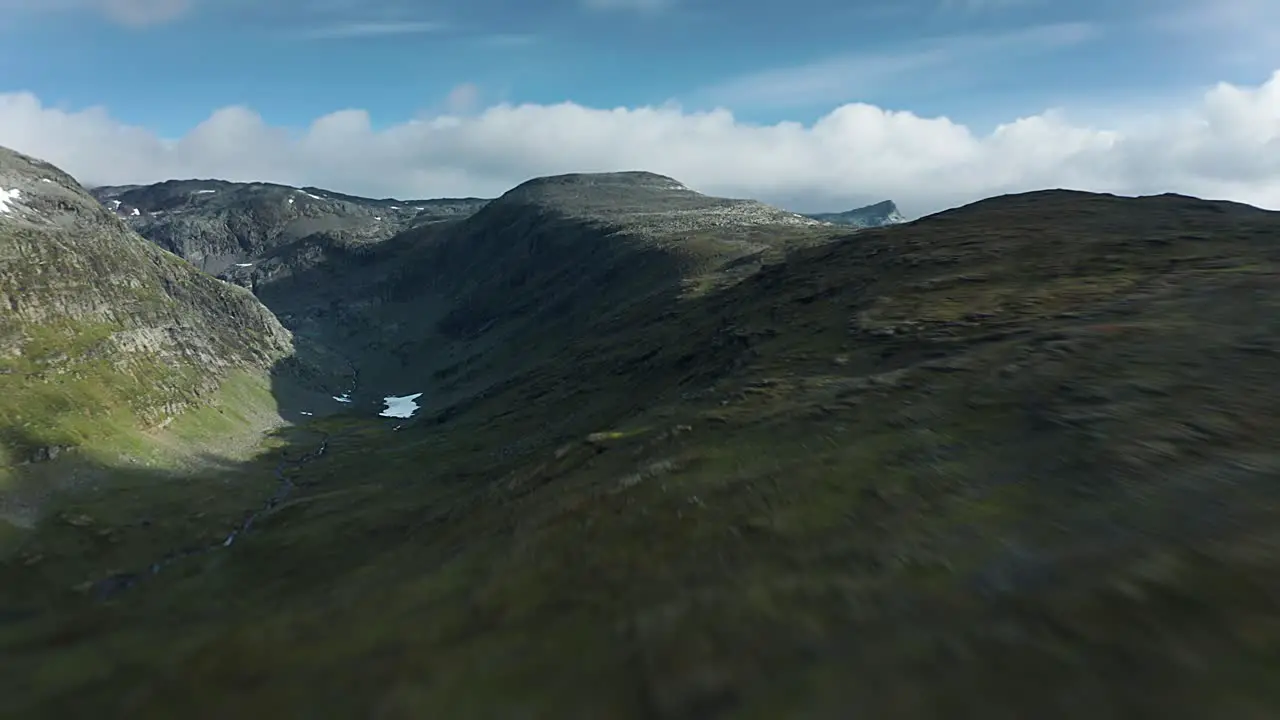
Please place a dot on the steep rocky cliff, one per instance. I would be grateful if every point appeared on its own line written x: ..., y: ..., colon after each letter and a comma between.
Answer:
x: 100, y: 329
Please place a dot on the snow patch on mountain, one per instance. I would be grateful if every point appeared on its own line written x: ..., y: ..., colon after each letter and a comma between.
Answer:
x: 6, y: 197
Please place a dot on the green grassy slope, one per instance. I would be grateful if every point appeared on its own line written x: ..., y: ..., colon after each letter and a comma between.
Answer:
x: 105, y: 339
x: 1014, y: 460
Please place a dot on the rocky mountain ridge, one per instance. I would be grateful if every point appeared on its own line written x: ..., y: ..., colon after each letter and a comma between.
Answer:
x: 876, y: 215
x: 218, y: 225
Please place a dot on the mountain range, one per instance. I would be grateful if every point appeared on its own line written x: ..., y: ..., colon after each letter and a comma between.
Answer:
x: 605, y: 446
x: 219, y: 226
x: 216, y: 224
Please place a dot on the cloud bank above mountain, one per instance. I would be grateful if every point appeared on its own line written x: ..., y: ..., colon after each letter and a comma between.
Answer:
x: 1224, y: 144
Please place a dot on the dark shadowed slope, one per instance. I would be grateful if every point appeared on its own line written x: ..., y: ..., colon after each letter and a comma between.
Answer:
x: 1013, y: 460
x: 452, y: 309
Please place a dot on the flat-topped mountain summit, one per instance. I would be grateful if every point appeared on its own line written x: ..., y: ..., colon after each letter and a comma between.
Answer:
x: 619, y: 179
x: 644, y: 203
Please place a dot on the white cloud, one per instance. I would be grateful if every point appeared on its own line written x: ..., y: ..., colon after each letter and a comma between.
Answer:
x: 862, y: 74
x: 508, y: 39
x: 1241, y: 33
x: 372, y: 29
x: 1224, y: 145
x: 463, y: 98
x: 1211, y: 15
x: 640, y: 5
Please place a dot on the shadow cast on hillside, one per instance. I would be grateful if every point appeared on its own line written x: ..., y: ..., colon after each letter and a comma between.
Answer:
x: 454, y: 310
x: 1001, y: 531
x: 459, y: 313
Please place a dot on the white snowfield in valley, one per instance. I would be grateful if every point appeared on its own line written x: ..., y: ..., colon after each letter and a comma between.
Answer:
x: 400, y: 406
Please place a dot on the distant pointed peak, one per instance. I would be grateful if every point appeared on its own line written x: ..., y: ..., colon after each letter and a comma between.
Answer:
x: 884, y: 206
x: 878, y: 214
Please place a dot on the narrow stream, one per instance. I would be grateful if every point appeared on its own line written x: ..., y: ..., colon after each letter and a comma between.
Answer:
x: 113, y: 585
x: 117, y: 583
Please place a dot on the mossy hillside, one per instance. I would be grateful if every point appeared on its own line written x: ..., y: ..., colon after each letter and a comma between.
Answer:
x: 65, y: 387
x: 105, y: 335
x: 226, y: 427
x: 887, y: 476
x: 74, y: 386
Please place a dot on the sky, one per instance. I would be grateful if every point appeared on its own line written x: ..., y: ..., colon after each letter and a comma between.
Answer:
x: 814, y: 105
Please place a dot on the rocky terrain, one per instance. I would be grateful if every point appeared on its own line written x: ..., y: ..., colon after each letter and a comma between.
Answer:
x: 219, y: 226
x: 877, y: 215
x: 101, y: 332
x: 688, y: 457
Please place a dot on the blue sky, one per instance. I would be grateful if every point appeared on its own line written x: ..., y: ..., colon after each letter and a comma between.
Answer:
x: 976, y: 61
x: 814, y: 104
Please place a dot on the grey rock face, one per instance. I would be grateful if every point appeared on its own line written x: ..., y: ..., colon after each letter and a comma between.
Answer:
x: 220, y: 226
x: 877, y: 215
x: 85, y: 301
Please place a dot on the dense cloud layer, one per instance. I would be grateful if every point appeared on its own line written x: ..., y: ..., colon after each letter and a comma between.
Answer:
x: 1226, y: 145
